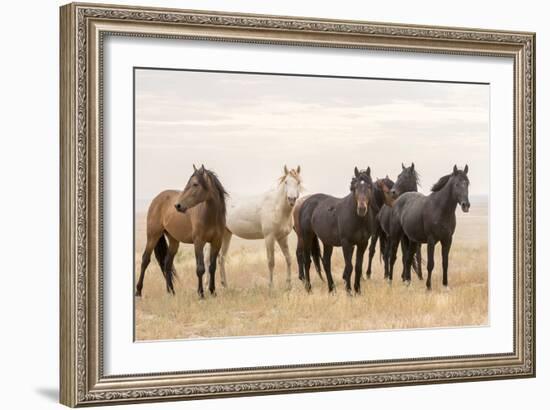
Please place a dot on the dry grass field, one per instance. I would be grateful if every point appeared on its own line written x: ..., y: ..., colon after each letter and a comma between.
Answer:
x: 248, y: 307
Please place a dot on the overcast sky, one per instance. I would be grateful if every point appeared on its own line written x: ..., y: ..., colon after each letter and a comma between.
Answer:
x: 246, y: 127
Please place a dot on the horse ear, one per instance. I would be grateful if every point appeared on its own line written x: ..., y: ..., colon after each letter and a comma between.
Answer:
x: 402, y: 166
x: 298, y: 169
x: 285, y: 169
x: 201, y: 170
x: 194, y: 168
x: 466, y: 169
x: 412, y: 166
x: 368, y: 171
x: 356, y: 172
x: 455, y: 170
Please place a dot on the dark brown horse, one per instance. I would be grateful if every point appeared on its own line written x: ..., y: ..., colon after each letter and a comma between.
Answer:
x: 195, y: 215
x: 417, y: 218
x: 342, y: 222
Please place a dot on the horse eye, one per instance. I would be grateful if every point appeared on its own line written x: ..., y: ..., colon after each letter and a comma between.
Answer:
x: 195, y: 184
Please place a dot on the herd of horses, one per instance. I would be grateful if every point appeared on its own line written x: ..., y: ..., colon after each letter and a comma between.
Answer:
x: 393, y: 214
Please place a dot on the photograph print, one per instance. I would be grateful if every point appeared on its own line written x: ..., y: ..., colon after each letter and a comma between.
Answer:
x: 280, y: 204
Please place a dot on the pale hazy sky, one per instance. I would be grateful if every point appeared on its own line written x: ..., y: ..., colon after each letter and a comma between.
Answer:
x: 246, y: 127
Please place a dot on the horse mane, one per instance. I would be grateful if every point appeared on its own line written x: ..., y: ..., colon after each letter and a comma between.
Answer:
x: 416, y: 176
x: 438, y: 186
x: 293, y: 174
x: 220, y: 190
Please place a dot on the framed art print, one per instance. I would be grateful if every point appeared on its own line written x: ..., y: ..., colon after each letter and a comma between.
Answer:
x: 264, y: 204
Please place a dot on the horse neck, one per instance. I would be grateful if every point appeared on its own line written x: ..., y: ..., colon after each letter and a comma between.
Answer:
x: 282, y: 209
x: 444, y: 197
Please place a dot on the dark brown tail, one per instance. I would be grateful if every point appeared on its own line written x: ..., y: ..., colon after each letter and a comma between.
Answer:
x: 161, y: 250
x: 316, y: 256
x: 417, y: 262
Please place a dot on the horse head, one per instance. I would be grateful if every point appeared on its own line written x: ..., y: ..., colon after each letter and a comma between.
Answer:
x: 196, y: 191
x: 460, y: 184
x: 292, y: 184
x: 361, y: 187
x: 407, y: 181
x: 385, y: 186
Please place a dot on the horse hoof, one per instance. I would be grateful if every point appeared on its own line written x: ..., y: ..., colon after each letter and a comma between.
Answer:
x: 213, y: 293
x: 446, y: 288
x: 224, y: 284
x: 428, y: 288
x: 138, y: 293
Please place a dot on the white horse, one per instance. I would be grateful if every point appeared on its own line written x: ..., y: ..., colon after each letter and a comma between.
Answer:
x: 267, y: 216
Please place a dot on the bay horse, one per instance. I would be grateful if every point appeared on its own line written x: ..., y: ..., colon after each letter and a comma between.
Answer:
x: 196, y: 216
x: 407, y: 181
x: 382, y: 196
x: 267, y: 216
x: 342, y: 222
x: 418, y: 218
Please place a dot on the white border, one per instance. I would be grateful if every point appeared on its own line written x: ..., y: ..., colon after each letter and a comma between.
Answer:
x: 123, y: 356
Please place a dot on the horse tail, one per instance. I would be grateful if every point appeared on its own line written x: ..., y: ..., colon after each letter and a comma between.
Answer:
x: 161, y: 250
x: 316, y: 256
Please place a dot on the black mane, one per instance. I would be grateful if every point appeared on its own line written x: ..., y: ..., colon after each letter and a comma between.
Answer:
x: 438, y: 186
x: 220, y: 190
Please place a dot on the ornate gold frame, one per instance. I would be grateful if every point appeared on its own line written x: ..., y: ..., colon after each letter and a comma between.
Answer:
x: 83, y: 28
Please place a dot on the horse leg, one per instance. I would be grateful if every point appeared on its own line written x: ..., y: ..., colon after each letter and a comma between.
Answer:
x: 419, y: 261
x: 404, y: 251
x: 173, y: 245
x: 431, y: 247
x: 270, y: 248
x: 372, y: 250
x: 347, y: 248
x: 206, y: 251
x: 283, y: 244
x: 445, y: 248
x: 214, y: 252
x: 199, y: 260
x: 226, y: 241
x: 361, y: 248
x: 327, y: 256
x: 145, y: 259
x: 392, y: 255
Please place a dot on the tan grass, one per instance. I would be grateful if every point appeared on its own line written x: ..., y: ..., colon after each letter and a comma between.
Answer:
x: 248, y: 307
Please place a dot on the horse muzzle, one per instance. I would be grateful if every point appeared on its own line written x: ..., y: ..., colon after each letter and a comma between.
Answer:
x: 362, y: 210
x: 180, y: 208
x: 291, y: 201
x: 465, y: 206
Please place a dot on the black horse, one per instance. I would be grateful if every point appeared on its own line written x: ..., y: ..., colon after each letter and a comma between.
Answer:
x: 417, y: 218
x: 407, y: 181
x: 343, y: 222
